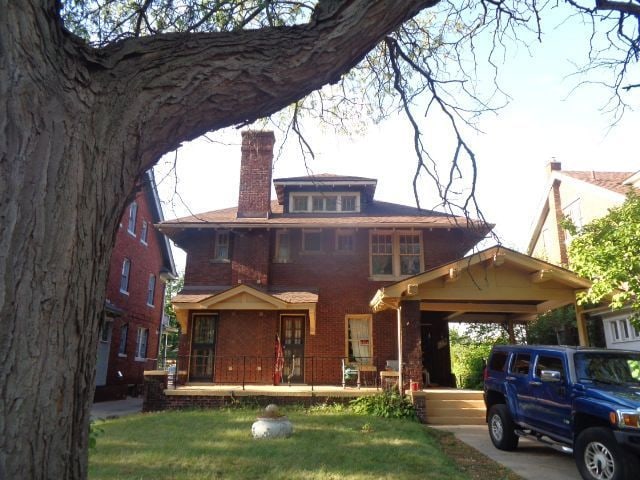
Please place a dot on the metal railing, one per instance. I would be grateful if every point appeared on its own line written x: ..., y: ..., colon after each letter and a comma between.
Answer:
x: 260, y: 370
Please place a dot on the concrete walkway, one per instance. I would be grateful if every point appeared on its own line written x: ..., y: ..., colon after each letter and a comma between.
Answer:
x: 116, y: 408
x: 531, y: 460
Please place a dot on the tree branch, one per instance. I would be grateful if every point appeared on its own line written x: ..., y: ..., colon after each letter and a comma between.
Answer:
x: 179, y: 86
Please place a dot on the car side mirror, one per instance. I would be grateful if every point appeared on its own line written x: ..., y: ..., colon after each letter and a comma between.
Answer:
x: 550, y: 376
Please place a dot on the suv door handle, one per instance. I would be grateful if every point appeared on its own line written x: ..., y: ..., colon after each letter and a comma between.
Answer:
x: 535, y: 383
x: 510, y: 378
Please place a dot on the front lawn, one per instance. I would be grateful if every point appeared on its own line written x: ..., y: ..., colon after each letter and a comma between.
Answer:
x: 215, y: 444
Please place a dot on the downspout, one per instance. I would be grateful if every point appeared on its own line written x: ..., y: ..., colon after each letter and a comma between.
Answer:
x: 400, y: 380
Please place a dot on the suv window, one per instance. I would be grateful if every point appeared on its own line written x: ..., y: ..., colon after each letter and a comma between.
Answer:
x: 498, y: 361
x: 549, y: 363
x: 521, y: 364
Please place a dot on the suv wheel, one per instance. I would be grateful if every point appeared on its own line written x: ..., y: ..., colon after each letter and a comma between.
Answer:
x: 501, y: 428
x: 599, y: 457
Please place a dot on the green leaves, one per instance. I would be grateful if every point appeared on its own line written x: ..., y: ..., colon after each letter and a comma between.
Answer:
x: 607, y: 251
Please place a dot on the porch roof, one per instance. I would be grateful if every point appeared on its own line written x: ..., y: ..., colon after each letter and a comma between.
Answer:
x: 495, y: 285
x: 244, y: 297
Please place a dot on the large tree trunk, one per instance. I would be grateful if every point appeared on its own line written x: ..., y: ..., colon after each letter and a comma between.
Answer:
x: 78, y: 127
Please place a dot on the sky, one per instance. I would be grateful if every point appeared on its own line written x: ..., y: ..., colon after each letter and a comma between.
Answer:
x: 547, y: 118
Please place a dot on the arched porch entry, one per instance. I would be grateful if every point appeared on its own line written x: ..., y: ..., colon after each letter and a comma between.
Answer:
x: 496, y: 285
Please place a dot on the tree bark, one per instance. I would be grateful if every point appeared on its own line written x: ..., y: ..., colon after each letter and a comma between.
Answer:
x: 79, y: 127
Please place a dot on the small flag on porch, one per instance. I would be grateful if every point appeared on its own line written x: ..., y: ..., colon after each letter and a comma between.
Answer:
x: 279, y: 366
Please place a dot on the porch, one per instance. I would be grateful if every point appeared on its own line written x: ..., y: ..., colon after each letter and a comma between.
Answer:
x: 433, y: 405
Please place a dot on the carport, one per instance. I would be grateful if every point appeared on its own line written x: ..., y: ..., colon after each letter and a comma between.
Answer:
x: 496, y: 285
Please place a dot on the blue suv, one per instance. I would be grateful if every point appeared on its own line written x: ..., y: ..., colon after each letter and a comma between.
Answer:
x: 584, y: 401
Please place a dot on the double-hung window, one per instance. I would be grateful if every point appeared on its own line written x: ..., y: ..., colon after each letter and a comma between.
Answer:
x: 312, y: 241
x: 144, y: 232
x: 222, y: 247
x: 141, y: 343
x: 395, y: 253
x: 328, y: 202
x: 133, y: 214
x: 345, y: 241
x: 124, y: 333
x: 151, y: 290
x: 124, y: 276
x: 283, y: 247
x: 358, y: 336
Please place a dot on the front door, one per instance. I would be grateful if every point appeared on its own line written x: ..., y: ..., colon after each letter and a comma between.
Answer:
x: 203, y: 344
x: 292, y: 334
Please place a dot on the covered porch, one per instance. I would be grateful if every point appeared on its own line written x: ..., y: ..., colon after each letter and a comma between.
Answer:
x: 496, y: 285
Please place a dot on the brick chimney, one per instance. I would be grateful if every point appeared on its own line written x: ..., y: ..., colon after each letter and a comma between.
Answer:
x: 554, y: 166
x: 254, y: 198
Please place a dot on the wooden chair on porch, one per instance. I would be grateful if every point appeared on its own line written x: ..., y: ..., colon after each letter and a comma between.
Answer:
x: 353, y: 370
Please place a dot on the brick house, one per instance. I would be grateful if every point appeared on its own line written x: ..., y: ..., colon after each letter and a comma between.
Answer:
x: 304, y: 267
x: 582, y: 196
x: 140, y: 265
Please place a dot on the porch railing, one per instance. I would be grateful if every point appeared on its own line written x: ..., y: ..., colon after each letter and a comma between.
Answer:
x: 260, y: 370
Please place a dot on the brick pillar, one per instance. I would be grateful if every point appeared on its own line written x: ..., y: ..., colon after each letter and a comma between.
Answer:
x: 412, y: 341
x: 254, y: 197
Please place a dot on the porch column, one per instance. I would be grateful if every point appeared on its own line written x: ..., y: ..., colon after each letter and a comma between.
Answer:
x: 581, y: 321
x: 412, y: 340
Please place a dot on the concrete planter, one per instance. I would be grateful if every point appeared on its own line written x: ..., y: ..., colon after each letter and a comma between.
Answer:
x: 265, y: 427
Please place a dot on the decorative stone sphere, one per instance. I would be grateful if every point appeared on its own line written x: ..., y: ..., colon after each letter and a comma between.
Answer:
x: 272, y: 424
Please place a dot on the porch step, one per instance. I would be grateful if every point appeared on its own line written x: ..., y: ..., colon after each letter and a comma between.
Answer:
x: 451, y: 407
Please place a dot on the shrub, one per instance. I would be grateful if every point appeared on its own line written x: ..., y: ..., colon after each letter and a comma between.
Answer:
x: 386, y: 404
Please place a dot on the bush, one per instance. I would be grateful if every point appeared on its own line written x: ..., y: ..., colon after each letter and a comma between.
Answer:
x: 386, y: 404
x: 468, y: 361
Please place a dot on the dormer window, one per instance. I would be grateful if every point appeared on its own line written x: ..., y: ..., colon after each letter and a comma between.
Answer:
x: 302, y: 202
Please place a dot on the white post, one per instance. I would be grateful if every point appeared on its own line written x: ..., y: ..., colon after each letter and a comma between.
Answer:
x: 400, y: 380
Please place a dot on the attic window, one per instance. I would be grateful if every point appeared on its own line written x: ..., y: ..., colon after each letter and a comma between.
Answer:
x: 327, y: 202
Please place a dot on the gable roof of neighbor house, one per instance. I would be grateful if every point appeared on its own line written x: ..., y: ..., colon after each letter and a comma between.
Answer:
x: 615, y: 184
x: 614, y: 181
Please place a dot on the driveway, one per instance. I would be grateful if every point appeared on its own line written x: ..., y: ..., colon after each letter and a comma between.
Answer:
x: 531, y: 460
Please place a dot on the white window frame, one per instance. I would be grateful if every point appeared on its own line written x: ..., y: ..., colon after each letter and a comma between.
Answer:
x: 310, y: 231
x: 369, y: 319
x: 219, y: 243
x: 310, y: 202
x: 151, y: 290
x: 133, y: 215
x: 278, y: 256
x: 125, y: 276
x: 395, y: 253
x: 345, y: 233
x: 144, y: 232
x: 615, y: 330
x: 142, y: 343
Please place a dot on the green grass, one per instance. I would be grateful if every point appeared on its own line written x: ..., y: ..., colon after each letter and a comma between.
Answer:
x: 217, y: 444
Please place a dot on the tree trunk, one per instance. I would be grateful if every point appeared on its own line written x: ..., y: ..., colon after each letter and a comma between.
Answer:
x: 79, y: 127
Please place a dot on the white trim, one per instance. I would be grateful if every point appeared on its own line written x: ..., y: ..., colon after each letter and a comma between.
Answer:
x: 132, y: 218
x: 396, y: 264
x: 310, y: 195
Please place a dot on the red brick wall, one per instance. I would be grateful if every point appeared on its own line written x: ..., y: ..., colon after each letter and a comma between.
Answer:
x: 343, y: 285
x: 145, y: 260
x: 254, y: 198
x: 250, y: 262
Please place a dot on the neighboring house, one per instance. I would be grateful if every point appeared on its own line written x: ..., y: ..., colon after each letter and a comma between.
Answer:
x: 304, y: 268
x: 140, y: 265
x: 582, y: 197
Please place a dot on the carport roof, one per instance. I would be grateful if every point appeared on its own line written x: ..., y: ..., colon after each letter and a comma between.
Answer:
x: 493, y: 285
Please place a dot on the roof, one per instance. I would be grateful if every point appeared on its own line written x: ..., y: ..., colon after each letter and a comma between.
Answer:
x: 614, y: 181
x: 287, y: 295
x: 497, y: 280
x: 377, y: 214
x: 325, y: 180
x: 156, y: 209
